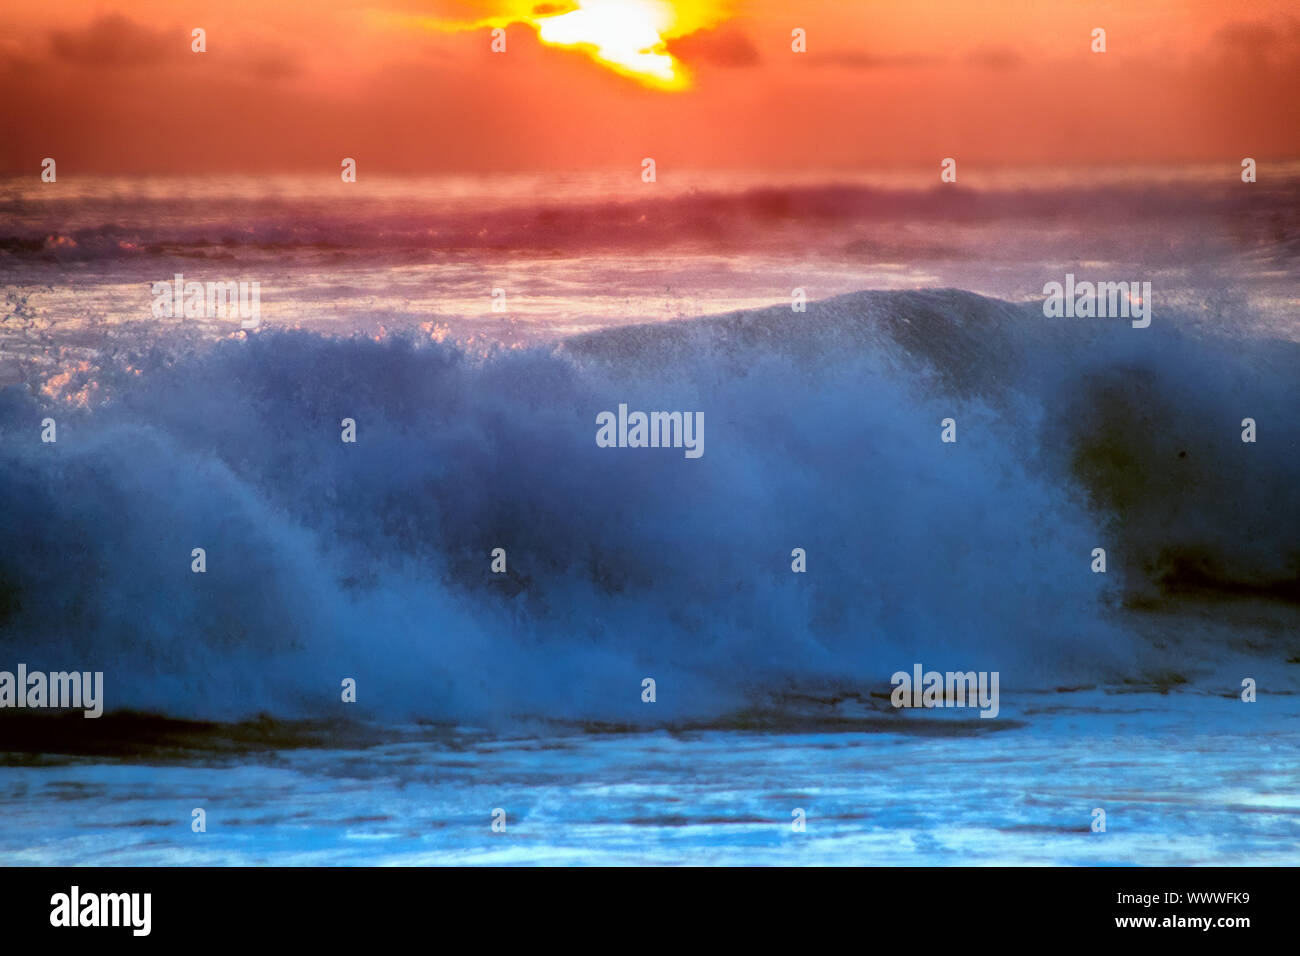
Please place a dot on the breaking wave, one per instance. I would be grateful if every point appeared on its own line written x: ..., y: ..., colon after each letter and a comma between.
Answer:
x: 371, y: 560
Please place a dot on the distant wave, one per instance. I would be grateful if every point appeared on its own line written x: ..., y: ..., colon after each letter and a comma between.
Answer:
x: 146, y: 227
x: 327, y: 560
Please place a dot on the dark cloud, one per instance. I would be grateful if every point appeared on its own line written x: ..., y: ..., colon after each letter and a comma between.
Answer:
x: 725, y: 46
x: 997, y: 58
x: 1259, y: 42
x: 269, y: 62
x: 853, y: 60
x: 115, y: 41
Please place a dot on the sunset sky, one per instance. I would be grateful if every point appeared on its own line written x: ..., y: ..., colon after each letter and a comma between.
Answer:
x: 111, y: 86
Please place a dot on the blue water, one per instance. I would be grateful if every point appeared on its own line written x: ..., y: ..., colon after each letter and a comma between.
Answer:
x: 371, y: 561
x: 1184, y: 779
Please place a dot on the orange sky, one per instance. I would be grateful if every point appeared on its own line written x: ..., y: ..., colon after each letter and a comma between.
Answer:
x: 412, y: 85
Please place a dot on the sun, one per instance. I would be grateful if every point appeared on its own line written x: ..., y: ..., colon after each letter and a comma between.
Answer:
x: 630, y: 37
x: 627, y: 36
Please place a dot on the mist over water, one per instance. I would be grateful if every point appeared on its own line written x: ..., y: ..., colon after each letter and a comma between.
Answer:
x: 581, y: 253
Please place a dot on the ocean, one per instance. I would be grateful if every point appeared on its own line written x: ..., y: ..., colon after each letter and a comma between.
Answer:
x: 473, y: 332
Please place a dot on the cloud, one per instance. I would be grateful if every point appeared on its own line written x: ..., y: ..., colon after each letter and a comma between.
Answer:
x: 115, y: 41
x: 990, y: 58
x: 997, y: 58
x: 271, y: 65
x: 1259, y: 43
x: 727, y: 46
x: 858, y: 60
